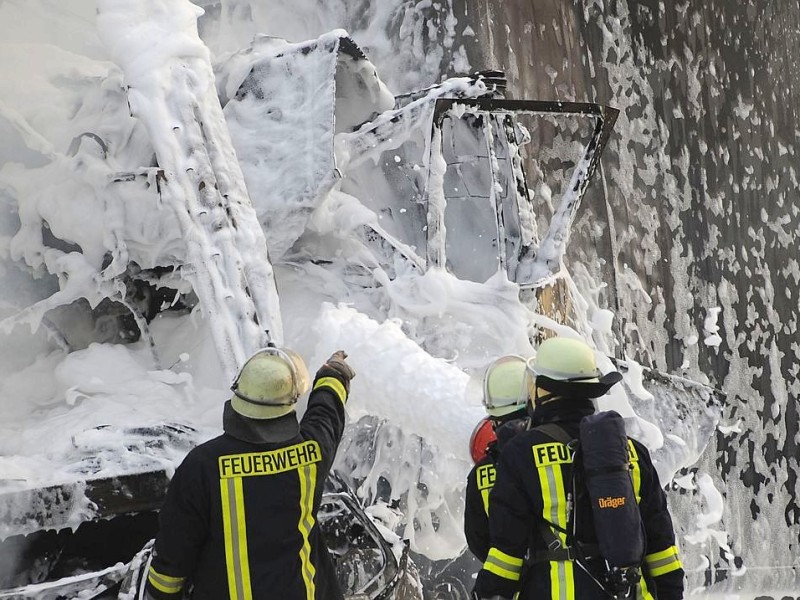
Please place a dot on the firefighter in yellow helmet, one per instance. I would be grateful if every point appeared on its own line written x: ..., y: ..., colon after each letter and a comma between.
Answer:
x: 505, y: 397
x: 239, y: 518
x: 543, y: 523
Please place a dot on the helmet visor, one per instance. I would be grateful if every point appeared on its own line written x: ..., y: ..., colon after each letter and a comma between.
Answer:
x: 504, y: 389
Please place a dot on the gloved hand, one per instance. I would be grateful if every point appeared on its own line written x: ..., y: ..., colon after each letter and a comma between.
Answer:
x: 336, y: 366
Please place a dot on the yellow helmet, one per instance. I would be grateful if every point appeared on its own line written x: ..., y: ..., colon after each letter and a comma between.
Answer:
x: 504, y: 388
x: 269, y: 384
x: 567, y: 367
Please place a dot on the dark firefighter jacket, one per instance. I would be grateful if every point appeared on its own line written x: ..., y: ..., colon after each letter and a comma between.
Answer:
x: 479, y: 483
x: 239, y: 518
x: 524, y: 495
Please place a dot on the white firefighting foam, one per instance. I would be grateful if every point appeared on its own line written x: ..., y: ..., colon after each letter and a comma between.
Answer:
x: 56, y: 80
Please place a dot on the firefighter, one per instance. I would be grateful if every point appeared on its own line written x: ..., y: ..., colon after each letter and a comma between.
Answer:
x: 239, y: 518
x: 538, y: 549
x: 505, y: 398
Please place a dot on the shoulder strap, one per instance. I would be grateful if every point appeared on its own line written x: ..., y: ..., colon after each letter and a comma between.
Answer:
x: 554, y: 431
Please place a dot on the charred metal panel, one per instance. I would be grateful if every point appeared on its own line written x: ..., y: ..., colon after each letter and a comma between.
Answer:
x: 57, y: 507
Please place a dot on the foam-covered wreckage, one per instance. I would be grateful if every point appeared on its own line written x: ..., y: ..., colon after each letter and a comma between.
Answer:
x: 444, y: 177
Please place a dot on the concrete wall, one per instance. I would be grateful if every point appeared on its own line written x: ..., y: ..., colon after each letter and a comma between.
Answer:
x: 695, y: 216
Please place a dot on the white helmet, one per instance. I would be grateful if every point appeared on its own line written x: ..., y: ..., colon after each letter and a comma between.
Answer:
x: 566, y: 367
x: 269, y: 384
x: 504, y: 388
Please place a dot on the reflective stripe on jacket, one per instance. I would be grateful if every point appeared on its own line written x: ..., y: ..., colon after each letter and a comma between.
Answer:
x: 476, y: 507
x: 239, y: 518
x: 480, y: 481
x: 533, y: 485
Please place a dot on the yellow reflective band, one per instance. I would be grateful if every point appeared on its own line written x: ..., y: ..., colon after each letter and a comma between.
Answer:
x: 485, y: 498
x: 551, y: 479
x: 244, y: 559
x: 235, y: 532
x: 636, y: 472
x: 562, y: 580
x: 335, y: 385
x: 503, y: 565
x: 506, y: 558
x: 165, y: 583
x: 548, y: 459
x: 672, y: 551
x: 633, y: 456
x: 663, y: 562
x: 308, y: 483
x: 227, y: 530
x: 646, y: 595
x: 269, y: 463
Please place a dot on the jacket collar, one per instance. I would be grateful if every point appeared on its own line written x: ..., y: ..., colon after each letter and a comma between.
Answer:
x: 563, y: 410
x: 259, y: 431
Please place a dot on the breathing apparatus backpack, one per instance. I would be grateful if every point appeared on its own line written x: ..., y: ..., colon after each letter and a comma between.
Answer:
x: 602, y: 490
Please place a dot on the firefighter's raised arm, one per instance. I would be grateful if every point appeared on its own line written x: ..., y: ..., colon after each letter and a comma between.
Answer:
x: 335, y: 374
x: 324, y: 417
